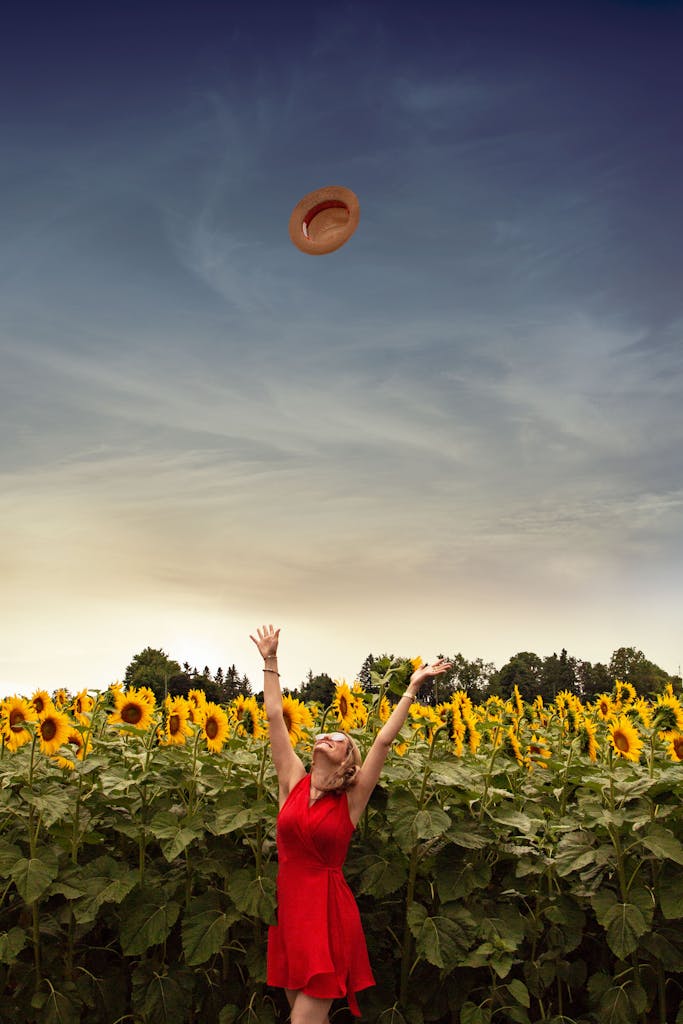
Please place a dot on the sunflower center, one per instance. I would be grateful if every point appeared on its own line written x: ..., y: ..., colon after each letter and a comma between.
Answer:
x: 131, y: 714
x: 174, y: 724
x: 211, y: 728
x: 343, y: 706
x: 16, y: 719
x: 288, y: 720
x: 678, y: 747
x: 39, y: 704
x: 48, y: 729
x: 621, y: 742
x: 248, y: 721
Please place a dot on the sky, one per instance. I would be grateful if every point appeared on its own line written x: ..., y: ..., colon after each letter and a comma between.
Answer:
x: 461, y: 432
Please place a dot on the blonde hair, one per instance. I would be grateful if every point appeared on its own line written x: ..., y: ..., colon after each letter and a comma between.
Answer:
x: 351, y: 764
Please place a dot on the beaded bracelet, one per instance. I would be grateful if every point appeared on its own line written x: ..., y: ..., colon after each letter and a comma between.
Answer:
x: 272, y: 671
x: 408, y: 696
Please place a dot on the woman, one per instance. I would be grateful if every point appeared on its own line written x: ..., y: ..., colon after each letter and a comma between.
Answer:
x: 317, y: 950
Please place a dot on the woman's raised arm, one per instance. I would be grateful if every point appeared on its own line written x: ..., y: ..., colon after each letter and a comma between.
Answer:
x: 288, y: 765
x: 368, y: 776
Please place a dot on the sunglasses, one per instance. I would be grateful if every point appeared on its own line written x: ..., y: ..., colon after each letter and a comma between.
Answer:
x: 337, y: 737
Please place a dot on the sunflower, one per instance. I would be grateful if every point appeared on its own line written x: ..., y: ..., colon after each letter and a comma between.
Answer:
x: 41, y: 700
x: 76, y: 740
x: 297, y: 718
x: 131, y: 709
x: 384, y: 710
x: 176, y: 723
x: 360, y: 708
x: 53, y: 730
x: 512, y: 747
x: 668, y: 714
x: 82, y: 705
x: 197, y: 701
x: 214, y: 727
x: 675, y: 746
x: 604, y: 707
x: 60, y: 698
x: 344, y: 706
x: 246, y: 717
x: 537, y: 752
x: 639, y: 711
x: 471, y: 736
x: 14, y: 711
x: 587, y: 735
x: 416, y: 663
x: 519, y: 703
x: 625, y: 739
x: 624, y: 693
x: 457, y: 733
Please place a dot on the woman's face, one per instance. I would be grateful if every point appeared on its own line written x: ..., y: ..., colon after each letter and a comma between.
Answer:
x: 333, y: 745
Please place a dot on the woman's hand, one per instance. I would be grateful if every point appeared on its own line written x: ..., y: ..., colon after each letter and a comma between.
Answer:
x: 267, y: 642
x: 424, y: 672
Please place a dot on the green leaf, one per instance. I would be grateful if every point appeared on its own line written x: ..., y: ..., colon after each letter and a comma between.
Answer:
x: 382, y: 875
x: 664, y: 845
x: 11, y: 943
x: 455, y: 881
x: 472, y: 1014
x: 104, y: 880
x: 166, y: 1000
x: 145, y: 922
x: 33, y: 875
x: 440, y: 940
x: 228, y: 1014
x: 54, y: 803
x: 663, y: 951
x: 625, y: 924
x: 602, y: 902
x: 231, y: 819
x: 670, y: 889
x: 56, y: 1008
x: 204, y: 928
x: 446, y: 774
x: 9, y: 855
x: 519, y: 991
x: 253, y: 896
x: 513, y: 819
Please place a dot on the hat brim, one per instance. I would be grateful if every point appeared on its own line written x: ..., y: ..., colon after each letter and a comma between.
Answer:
x: 324, y: 220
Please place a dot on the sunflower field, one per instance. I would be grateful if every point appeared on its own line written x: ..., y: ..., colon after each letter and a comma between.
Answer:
x: 517, y: 862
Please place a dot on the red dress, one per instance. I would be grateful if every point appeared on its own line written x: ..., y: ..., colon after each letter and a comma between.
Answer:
x: 317, y: 945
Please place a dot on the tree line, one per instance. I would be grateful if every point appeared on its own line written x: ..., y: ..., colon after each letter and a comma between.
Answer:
x: 533, y: 675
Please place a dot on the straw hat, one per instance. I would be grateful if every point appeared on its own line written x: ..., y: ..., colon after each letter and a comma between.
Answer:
x: 323, y: 220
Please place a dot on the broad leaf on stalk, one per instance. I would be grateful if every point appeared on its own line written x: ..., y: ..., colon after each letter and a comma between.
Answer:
x: 472, y: 1014
x: 512, y: 818
x: 54, y: 802
x: 663, y: 844
x: 670, y: 891
x: 665, y: 948
x: 442, y: 940
x: 253, y: 896
x: 103, y: 880
x: 146, y: 920
x: 380, y: 874
x: 624, y: 924
x: 230, y: 818
x: 162, y: 996
x: 568, y: 920
x: 174, y: 833
x: 623, y: 1004
x: 56, y: 1007
x: 575, y: 850
x: 33, y: 875
x: 10, y: 853
x: 11, y: 943
x: 204, y: 926
x: 456, y: 879
x: 410, y: 823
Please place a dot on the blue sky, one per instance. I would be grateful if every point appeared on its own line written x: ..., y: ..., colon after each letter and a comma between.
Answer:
x: 460, y: 432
